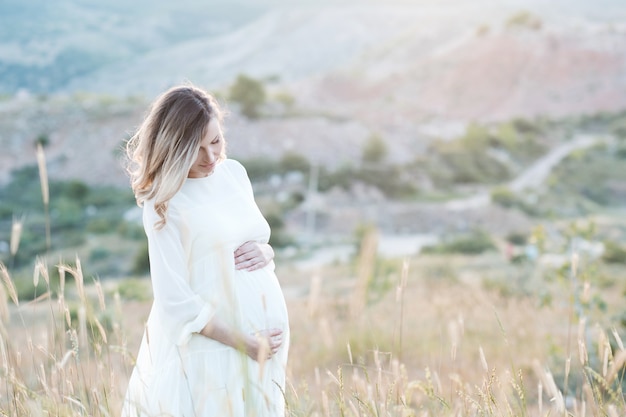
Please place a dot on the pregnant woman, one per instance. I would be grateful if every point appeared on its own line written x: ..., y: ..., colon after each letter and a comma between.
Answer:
x: 217, y: 337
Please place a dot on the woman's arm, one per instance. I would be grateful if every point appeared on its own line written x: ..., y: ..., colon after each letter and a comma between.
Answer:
x: 257, y: 346
x: 181, y: 311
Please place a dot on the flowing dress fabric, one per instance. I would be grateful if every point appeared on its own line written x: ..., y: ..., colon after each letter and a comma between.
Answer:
x: 179, y: 372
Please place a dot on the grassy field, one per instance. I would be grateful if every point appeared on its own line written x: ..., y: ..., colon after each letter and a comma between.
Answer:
x: 431, y: 335
x: 528, y: 325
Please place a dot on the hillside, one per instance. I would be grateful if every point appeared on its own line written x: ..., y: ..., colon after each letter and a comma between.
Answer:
x: 488, y: 72
x: 44, y: 45
x: 411, y: 72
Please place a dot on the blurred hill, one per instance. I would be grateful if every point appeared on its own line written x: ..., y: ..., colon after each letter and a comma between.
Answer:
x: 417, y: 116
x: 411, y: 71
x: 451, y: 59
x: 45, y: 45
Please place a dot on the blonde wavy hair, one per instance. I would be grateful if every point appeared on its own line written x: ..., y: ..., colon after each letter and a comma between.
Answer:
x: 167, y: 143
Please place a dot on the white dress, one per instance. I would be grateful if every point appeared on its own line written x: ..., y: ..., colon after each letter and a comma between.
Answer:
x: 179, y: 372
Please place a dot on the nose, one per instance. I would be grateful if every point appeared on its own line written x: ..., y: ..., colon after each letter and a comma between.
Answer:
x: 206, y: 155
x: 211, y: 156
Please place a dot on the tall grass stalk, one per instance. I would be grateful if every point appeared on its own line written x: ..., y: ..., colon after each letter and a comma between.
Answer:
x: 70, y: 357
x: 45, y: 190
x: 59, y: 367
x: 16, y: 235
x: 573, y: 280
x: 365, y: 269
x: 8, y: 282
x: 400, y: 301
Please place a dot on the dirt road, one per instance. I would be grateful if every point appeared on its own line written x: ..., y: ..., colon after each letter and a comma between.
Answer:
x: 533, y: 176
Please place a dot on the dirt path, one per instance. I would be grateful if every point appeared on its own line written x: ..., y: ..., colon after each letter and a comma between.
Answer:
x: 409, y: 244
x: 533, y: 176
x: 536, y: 174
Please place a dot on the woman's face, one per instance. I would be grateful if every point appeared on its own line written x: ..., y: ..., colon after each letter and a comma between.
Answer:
x: 211, y: 148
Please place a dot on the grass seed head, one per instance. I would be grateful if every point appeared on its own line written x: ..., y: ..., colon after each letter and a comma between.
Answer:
x: 16, y: 234
x: 9, y: 284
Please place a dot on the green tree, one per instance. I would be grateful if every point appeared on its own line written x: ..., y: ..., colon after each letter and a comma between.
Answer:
x: 524, y: 20
x: 43, y: 140
x: 503, y: 196
x: 293, y: 161
x: 375, y: 149
x: 286, y: 99
x: 249, y: 94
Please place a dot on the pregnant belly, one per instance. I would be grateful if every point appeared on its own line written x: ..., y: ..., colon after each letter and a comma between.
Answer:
x: 260, y: 300
x: 250, y: 301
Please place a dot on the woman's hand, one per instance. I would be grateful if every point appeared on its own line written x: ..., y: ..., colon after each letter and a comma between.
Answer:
x: 253, y: 255
x: 260, y: 346
x: 264, y: 344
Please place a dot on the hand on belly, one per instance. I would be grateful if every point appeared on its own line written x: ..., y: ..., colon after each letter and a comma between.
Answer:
x: 253, y: 255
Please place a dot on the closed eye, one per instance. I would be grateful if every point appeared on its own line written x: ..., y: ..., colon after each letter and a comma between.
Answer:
x: 215, y: 140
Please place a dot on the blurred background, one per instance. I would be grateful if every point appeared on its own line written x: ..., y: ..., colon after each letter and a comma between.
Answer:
x: 420, y: 118
x: 481, y: 143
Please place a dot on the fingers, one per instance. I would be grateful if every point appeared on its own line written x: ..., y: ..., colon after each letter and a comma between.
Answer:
x: 268, y: 343
x: 247, y: 247
x: 272, y: 348
x: 248, y: 256
x: 274, y: 338
x: 246, y: 263
x: 275, y: 343
x: 273, y: 332
x: 249, y: 265
x: 253, y: 255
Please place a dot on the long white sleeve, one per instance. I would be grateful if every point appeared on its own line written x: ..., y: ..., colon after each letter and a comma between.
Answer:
x: 182, y: 312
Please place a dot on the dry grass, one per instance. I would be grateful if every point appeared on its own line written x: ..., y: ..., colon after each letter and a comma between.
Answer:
x: 436, y: 343
x: 447, y: 347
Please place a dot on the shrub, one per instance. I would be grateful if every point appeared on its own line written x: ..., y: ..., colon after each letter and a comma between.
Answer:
x: 503, y: 196
x: 389, y: 179
x: 621, y: 152
x: 293, y: 161
x: 342, y: 178
x: 98, y: 254
x: 614, y: 253
x: 474, y: 167
x: 524, y: 20
x: 99, y: 225
x: 517, y: 238
x: 279, y: 238
x: 131, y: 230
x: 473, y: 243
x: 287, y: 100
x: 619, y: 129
x: 66, y: 213
x: 141, y: 262
x: 249, y: 94
x: 375, y: 149
x: 73, y: 190
x: 135, y: 289
x: 465, y: 160
x: 260, y: 168
x: 525, y: 126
